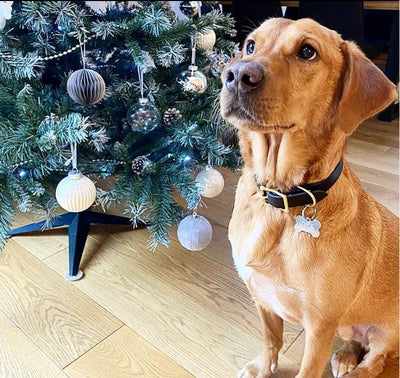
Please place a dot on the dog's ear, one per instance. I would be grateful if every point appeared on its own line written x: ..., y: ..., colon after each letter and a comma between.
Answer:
x: 365, y: 89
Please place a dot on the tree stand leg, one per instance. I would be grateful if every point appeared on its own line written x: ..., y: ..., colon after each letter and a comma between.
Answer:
x: 78, y: 229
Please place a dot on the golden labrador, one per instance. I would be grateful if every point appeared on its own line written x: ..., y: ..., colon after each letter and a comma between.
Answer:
x: 312, y: 246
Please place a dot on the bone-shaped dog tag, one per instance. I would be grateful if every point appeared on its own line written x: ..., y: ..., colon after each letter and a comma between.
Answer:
x: 307, y: 225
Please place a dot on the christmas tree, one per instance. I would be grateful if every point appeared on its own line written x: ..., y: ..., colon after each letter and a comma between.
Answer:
x: 140, y: 114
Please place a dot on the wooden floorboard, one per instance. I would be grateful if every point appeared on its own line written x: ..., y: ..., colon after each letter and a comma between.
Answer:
x: 171, y: 313
x: 204, y: 343
x: 55, y: 315
x: 125, y: 354
x: 20, y: 356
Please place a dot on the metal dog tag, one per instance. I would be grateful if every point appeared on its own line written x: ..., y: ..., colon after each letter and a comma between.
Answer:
x: 307, y: 225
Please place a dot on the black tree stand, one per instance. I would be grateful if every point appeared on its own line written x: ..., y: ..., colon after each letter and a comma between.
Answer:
x: 78, y: 229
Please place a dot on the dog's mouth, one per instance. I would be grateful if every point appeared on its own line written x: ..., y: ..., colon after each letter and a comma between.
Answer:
x: 235, y: 111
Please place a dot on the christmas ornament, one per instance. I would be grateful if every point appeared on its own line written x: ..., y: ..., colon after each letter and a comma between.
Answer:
x: 144, y: 116
x: 218, y: 63
x: 192, y: 80
x: 189, y: 8
x: 2, y: 22
x: 5, y: 12
x: 6, y: 9
x: 76, y: 192
x: 230, y: 137
x: 140, y: 163
x: 21, y: 173
x: 210, y: 181
x: 206, y: 41
x: 99, y: 7
x: 86, y: 87
x: 194, y: 232
x: 171, y: 115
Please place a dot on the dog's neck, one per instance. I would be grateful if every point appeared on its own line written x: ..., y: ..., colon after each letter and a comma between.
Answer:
x: 285, y: 160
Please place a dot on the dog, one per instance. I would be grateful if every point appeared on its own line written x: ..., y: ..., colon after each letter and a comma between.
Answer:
x: 311, y: 245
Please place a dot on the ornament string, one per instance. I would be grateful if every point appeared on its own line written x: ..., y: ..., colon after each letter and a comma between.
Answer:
x: 74, y: 156
x: 83, y: 52
x: 193, y: 62
x: 141, y: 83
x: 199, y: 7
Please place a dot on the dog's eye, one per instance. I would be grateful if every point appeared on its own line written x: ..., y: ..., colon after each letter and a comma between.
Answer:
x: 250, y: 47
x: 307, y: 52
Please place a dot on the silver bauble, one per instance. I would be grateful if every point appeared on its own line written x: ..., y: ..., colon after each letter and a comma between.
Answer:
x: 86, y: 87
x: 194, y: 232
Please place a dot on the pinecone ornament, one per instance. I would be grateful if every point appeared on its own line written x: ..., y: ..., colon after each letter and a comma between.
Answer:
x: 171, y: 115
x: 139, y: 164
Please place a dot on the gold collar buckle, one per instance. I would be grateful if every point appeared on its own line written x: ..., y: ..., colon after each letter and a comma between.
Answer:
x: 263, y: 192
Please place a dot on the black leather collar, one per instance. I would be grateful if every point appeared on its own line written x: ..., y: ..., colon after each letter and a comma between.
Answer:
x: 300, y: 197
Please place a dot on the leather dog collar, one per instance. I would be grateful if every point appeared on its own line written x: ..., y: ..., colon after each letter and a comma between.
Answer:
x: 299, y: 196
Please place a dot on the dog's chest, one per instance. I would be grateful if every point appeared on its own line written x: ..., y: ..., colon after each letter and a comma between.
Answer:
x: 266, y: 284
x: 273, y: 295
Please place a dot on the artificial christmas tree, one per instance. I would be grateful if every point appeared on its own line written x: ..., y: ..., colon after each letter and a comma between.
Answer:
x: 152, y: 155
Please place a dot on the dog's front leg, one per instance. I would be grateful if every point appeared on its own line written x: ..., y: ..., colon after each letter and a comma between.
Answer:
x: 266, y: 363
x: 316, y: 350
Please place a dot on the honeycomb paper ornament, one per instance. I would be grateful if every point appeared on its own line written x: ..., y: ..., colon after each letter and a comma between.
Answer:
x: 194, y: 232
x: 86, y: 87
x: 210, y: 181
x: 76, y: 192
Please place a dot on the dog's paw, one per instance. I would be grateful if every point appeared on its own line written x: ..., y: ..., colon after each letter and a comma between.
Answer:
x: 345, y: 360
x: 258, y: 369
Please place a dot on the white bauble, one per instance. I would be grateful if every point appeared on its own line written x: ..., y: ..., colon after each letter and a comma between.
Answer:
x: 2, y: 22
x: 76, y: 192
x: 206, y: 41
x: 6, y: 9
x: 100, y: 7
x: 210, y: 181
x: 194, y: 232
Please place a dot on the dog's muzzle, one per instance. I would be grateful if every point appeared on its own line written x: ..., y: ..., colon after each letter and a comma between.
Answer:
x: 242, y: 77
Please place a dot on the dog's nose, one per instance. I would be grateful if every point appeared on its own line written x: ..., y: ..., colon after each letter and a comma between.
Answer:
x: 244, y: 76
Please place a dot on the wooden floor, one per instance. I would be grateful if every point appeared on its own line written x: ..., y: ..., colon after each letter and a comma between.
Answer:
x: 172, y: 313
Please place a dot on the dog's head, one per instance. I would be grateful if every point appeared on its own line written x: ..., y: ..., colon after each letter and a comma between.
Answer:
x: 295, y: 75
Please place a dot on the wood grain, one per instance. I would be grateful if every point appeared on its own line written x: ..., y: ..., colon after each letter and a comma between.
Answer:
x: 212, y: 285
x: 125, y: 354
x: 379, y: 157
x: 20, y: 356
x: 40, y: 244
x: 54, y: 314
x: 202, y: 342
